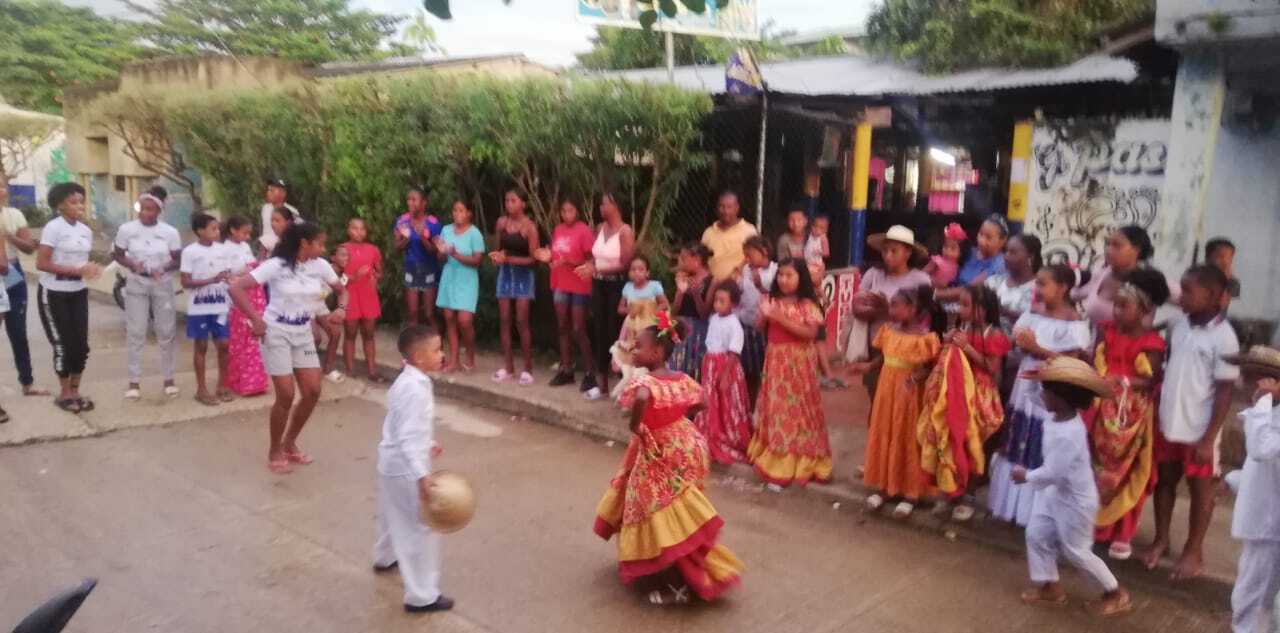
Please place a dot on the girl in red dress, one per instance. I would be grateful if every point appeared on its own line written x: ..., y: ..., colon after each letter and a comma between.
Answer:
x: 363, y: 271
x: 667, y: 529
x: 1130, y: 355
x: 246, y: 375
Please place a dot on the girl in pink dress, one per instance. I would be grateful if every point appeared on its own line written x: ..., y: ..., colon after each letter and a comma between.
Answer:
x: 246, y: 375
x: 363, y: 271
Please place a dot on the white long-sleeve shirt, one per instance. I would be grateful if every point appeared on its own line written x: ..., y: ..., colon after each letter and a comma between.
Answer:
x: 724, y: 334
x: 1257, y: 513
x: 407, y: 431
x: 1065, y: 480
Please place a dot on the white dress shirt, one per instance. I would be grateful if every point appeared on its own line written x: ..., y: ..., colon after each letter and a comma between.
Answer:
x: 724, y: 334
x: 407, y: 431
x: 1065, y: 480
x: 1257, y: 513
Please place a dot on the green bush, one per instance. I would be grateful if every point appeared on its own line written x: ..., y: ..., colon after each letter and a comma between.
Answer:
x: 351, y: 148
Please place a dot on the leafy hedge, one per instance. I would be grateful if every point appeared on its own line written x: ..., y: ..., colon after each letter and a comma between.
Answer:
x: 351, y: 148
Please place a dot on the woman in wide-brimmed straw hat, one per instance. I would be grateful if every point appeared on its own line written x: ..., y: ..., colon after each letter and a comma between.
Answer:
x: 1064, y: 508
x: 897, y: 248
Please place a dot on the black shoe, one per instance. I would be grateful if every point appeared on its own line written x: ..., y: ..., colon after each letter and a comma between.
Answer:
x: 561, y: 379
x: 443, y: 603
x: 382, y: 569
x: 588, y: 383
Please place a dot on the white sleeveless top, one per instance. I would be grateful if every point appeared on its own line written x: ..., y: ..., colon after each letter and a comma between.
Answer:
x: 607, y: 253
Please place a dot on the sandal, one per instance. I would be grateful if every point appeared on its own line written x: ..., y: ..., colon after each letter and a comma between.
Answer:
x: 526, y: 379
x: 336, y: 377
x: 874, y: 502
x: 279, y: 466
x: 86, y: 405
x: 298, y: 457
x: 673, y: 595
x: 1107, y: 607
x: 70, y: 405
x: 962, y: 513
x: 903, y: 510
x: 32, y: 391
x: 1120, y: 551
x: 501, y: 375
x: 1035, y: 596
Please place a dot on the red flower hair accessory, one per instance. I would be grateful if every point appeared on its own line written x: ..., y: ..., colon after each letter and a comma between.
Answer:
x: 667, y: 327
x: 955, y: 232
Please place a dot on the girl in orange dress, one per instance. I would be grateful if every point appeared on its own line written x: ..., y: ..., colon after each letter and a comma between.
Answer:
x: 667, y: 529
x: 790, y: 444
x: 962, y: 398
x: 892, y: 465
x: 362, y: 273
x: 1129, y: 354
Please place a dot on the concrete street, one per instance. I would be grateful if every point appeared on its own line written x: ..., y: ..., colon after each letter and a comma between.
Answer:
x: 178, y: 517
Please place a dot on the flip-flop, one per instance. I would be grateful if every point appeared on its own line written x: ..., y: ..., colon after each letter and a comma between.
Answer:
x: 70, y: 405
x: 1035, y: 597
x: 1104, y: 609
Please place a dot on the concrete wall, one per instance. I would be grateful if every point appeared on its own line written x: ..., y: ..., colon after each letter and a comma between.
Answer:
x: 1197, y: 22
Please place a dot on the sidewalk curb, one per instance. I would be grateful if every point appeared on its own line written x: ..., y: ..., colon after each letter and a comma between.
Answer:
x: 1210, y: 593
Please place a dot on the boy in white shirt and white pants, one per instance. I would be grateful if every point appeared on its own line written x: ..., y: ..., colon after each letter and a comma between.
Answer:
x: 1256, y: 523
x: 404, y: 475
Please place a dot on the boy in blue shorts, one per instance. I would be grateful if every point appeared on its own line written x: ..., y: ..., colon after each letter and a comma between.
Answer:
x: 206, y: 266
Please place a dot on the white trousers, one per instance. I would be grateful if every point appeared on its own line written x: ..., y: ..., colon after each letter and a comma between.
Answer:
x: 1069, y: 534
x: 1257, y: 581
x: 144, y: 301
x: 405, y: 540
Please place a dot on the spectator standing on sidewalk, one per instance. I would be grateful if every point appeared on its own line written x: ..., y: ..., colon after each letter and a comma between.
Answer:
x: 14, y: 231
x: 571, y: 248
x: 415, y: 234
x: 63, y: 296
x: 725, y: 238
x: 611, y: 256
x: 461, y: 246
x: 149, y: 249
x: 517, y: 239
x: 277, y: 197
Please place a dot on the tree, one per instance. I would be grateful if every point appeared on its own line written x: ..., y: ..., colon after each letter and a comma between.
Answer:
x: 310, y: 31
x: 21, y: 134
x: 48, y: 46
x: 140, y: 119
x: 419, y: 35
x: 440, y: 8
x: 615, y: 48
x: 947, y: 35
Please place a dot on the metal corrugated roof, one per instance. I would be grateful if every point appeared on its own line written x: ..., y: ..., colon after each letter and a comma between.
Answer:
x: 853, y: 75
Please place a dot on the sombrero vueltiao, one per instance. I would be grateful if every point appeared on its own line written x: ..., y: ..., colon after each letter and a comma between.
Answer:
x: 1072, y: 371
x: 897, y: 233
x: 1259, y: 358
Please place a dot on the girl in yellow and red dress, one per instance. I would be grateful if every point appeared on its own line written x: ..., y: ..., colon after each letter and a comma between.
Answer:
x: 962, y: 398
x: 790, y: 444
x: 666, y: 527
x: 1129, y: 355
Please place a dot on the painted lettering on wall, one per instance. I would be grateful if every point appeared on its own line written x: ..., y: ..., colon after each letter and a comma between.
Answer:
x: 1092, y: 177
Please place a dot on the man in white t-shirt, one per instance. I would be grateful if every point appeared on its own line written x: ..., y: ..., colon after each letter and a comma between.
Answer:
x: 18, y: 239
x: 206, y: 266
x: 276, y: 198
x: 149, y: 250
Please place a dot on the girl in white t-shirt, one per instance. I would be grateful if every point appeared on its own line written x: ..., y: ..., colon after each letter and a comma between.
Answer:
x: 296, y: 277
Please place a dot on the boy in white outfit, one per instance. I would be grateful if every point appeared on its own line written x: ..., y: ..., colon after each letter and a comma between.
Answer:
x: 1256, y: 522
x: 1062, y: 517
x: 404, y: 475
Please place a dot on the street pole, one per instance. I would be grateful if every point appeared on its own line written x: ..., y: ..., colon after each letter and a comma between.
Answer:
x: 671, y: 57
x: 764, y: 138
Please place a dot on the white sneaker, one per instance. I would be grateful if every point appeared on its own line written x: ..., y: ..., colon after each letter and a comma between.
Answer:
x: 874, y: 502
x: 132, y: 394
x: 592, y: 394
x: 903, y: 510
x: 962, y: 513
x: 335, y: 377
x: 773, y: 487
x: 171, y: 391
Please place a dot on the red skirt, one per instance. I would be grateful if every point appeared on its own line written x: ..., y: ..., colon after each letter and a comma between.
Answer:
x: 726, y: 421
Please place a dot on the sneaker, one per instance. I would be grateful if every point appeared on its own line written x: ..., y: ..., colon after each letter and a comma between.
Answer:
x: 1120, y: 551
x: 561, y: 379
x: 501, y: 375
x: 903, y: 510
x: 335, y: 377
x: 592, y: 394
x: 874, y: 502
x: 962, y: 513
x: 588, y: 383
x: 526, y: 379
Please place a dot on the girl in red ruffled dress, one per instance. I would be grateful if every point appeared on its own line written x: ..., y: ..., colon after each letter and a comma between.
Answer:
x: 667, y: 529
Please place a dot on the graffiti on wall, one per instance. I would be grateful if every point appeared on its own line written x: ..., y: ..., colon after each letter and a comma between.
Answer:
x: 1091, y: 178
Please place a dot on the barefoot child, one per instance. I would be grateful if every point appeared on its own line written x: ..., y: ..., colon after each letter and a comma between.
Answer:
x: 962, y: 405
x: 363, y: 272
x: 404, y: 475
x: 943, y: 267
x: 1062, y: 517
x: 1130, y: 355
x: 790, y: 444
x: 205, y: 269
x: 725, y: 421
x: 1194, y: 400
x: 661, y: 478
x: 246, y: 375
x: 1052, y: 328
x: 1256, y: 523
x: 892, y: 465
